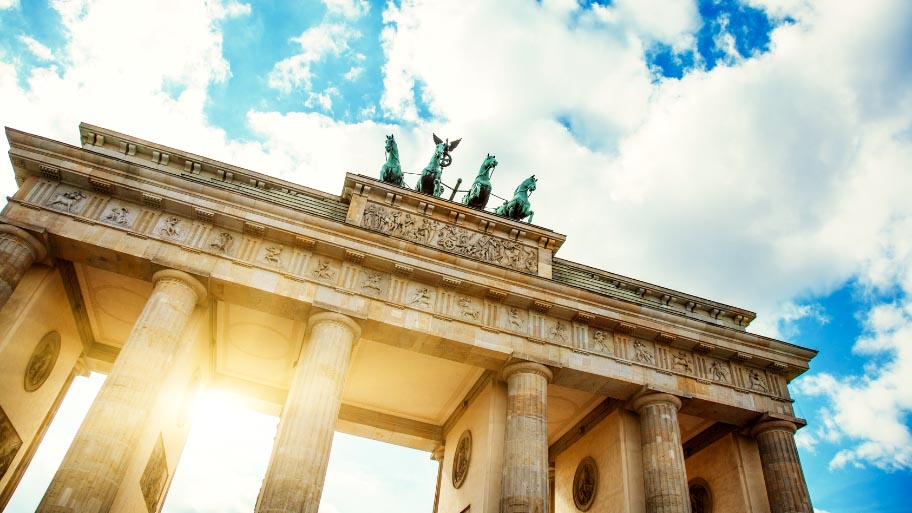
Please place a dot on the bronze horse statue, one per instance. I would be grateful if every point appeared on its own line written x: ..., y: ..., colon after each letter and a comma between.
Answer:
x: 391, y: 172
x: 519, y: 207
x: 480, y: 193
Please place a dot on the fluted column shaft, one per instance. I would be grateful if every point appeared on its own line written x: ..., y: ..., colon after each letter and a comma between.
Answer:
x: 94, y: 466
x: 525, y: 467
x: 785, y: 484
x: 437, y: 456
x: 664, y: 473
x: 294, y: 479
x: 18, y: 251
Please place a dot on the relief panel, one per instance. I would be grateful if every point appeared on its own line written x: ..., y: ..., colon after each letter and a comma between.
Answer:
x: 514, y: 319
x: 154, y: 477
x: 324, y: 269
x: 373, y: 283
x: 421, y: 296
x: 10, y: 442
x: 450, y: 238
x: 601, y: 341
x: 118, y: 213
x: 68, y: 199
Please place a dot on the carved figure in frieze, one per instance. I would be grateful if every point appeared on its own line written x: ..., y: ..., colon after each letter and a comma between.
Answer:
x: 487, y: 248
x: 222, y: 243
x: 118, y: 215
x: 600, y: 341
x: 372, y: 217
x: 515, y: 319
x: 324, y: 270
x: 558, y: 332
x: 170, y: 228
x: 421, y: 297
x: 681, y: 361
x: 372, y: 281
x: 718, y: 372
x: 642, y: 353
x: 465, y: 307
x: 756, y: 381
x: 67, y: 200
x: 272, y: 255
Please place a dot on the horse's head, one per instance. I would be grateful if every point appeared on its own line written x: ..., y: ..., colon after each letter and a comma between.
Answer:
x: 527, y: 185
x: 439, y: 150
x: 390, y: 143
x: 490, y: 162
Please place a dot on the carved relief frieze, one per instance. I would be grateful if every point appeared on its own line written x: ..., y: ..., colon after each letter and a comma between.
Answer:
x: 154, y: 477
x: 420, y: 296
x: 10, y: 442
x: 119, y: 214
x: 373, y: 283
x: 450, y: 238
x: 273, y: 255
x: 171, y: 227
x: 756, y: 381
x: 601, y: 341
x: 558, y: 332
x: 642, y: 353
x: 221, y: 243
x: 68, y: 200
x: 468, y: 309
x: 42, y: 361
x: 682, y: 362
x: 719, y: 372
x: 324, y: 269
x: 515, y: 319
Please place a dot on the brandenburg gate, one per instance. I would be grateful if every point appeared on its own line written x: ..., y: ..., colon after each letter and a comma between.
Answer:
x: 539, y: 384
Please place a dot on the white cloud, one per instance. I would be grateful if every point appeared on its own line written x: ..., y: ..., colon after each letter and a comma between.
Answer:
x: 354, y: 73
x: 678, y: 21
x: 316, y: 43
x: 351, y: 9
x: 36, y: 48
x: 8, y: 4
x: 229, y: 9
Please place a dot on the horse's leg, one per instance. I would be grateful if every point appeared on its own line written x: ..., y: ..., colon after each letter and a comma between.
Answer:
x: 531, y: 213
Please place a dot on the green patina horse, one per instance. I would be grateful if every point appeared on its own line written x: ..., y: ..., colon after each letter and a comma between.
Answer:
x: 391, y: 172
x: 478, y: 195
x: 518, y: 207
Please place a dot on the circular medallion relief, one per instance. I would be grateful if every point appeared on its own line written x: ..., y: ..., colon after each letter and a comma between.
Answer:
x: 585, y: 484
x: 42, y: 361
x: 461, y: 458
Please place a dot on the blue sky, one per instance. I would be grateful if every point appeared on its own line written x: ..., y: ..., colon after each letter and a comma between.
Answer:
x: 755, y: 152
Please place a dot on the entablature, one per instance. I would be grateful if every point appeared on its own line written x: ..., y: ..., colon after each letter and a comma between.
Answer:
x: 363, y: 263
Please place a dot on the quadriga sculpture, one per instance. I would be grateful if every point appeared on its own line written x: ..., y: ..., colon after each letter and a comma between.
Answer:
x: 480, y: 193
x: 391, y: 172
x: 518, y: 208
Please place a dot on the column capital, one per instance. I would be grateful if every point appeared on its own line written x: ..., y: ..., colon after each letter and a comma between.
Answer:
x: 39, y: 250
x: 345, y: 320
x: 773, y: 425
x: 655, y: 398
x: 528, y: 368
x: 183, y: 278
x: 437, y: 454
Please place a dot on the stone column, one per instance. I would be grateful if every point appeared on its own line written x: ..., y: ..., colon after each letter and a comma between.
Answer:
x: 18, y: 251
x: 525, y: 467
x: 94, y: 466
x: 785, y: 485
x: 664, y: 473
x: 294, y: 479
x: 437, y: 456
